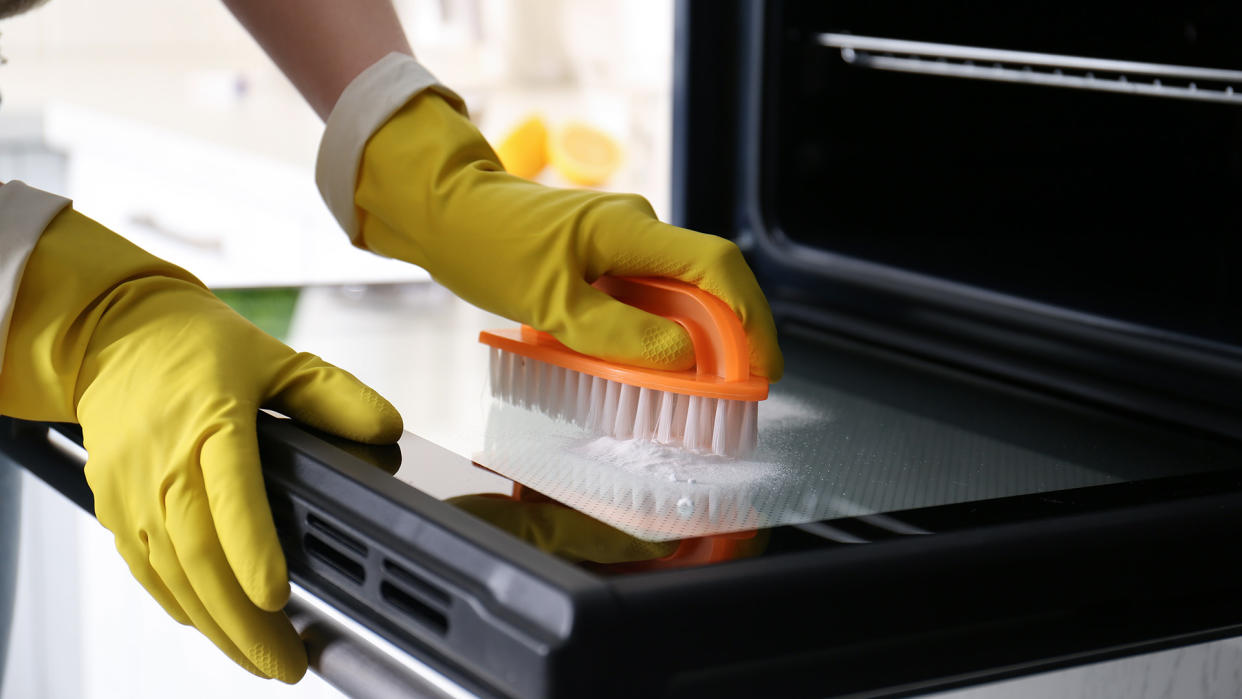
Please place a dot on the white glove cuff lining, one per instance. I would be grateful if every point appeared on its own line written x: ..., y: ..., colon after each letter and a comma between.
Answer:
x: 26, y: 212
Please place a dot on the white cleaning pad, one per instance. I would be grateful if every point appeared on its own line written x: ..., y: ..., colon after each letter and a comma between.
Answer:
x: 823, y: 454
x: 652, y: 491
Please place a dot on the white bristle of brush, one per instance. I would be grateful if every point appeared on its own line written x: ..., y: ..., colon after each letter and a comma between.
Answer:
x: 713, y: 425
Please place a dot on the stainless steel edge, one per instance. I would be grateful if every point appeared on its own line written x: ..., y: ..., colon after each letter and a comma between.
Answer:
x: 358, y: 662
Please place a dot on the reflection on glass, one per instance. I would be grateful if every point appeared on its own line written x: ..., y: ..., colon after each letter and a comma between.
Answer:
x: 576, y: 537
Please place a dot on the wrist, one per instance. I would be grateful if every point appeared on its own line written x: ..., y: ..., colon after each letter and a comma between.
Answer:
x: 366, y: 104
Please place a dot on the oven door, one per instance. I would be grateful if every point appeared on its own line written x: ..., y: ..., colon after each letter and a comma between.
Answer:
x: 904, y: 527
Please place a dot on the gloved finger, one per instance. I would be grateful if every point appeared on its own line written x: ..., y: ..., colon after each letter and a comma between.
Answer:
x: 233, y: 483
x: 153, y: 563
x: 737, y: 285
x: 713, y: 264
x: 131, y: 540
x: 326, y: 397
x: 266, y: 638
x: 164, y: 559
x: 137, y: 555
x: 594, y: 323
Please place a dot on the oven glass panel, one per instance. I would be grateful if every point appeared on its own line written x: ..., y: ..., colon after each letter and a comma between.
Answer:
x: 847, y: 433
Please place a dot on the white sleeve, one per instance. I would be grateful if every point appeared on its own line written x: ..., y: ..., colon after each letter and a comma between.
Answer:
x: 365, y: 105
x: 24, y: 213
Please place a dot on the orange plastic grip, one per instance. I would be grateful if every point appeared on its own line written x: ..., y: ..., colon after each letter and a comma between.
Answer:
x: 720, y: 345
x: 722, y: 354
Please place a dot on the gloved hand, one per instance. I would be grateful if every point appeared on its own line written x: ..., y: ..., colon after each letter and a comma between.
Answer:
x: 431, y: 191
x: 166, y: 380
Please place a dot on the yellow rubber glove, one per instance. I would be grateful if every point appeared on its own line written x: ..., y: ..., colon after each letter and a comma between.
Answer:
x: 431, y: 192
x: 166, y: 380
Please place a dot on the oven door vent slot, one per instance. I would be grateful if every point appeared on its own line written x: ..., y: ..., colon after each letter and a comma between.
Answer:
x: 415, y: 607
x: 321, y: 550
x: 430, y: 592
x: 335, y: 533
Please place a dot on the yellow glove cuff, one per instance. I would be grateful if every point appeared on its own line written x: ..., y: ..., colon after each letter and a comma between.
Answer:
x: 366, y: 104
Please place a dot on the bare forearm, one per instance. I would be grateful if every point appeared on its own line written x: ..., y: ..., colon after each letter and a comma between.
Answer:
x: 321, y: 45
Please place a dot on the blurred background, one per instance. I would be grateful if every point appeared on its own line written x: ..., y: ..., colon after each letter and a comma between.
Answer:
x: 165, y: 122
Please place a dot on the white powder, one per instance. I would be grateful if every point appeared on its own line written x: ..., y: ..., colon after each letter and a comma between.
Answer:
x: 787, y: 411
x: 668, y: 463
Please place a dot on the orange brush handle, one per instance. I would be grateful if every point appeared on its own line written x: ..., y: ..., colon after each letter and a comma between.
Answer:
x: 722, y: 354
x: 720, y: 346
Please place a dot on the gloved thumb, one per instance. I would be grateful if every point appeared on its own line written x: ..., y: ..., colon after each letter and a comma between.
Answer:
x: 331, y: 399
x: 598, y: 325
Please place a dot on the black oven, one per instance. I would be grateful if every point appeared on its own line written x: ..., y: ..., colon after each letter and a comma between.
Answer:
x: 999, y: 240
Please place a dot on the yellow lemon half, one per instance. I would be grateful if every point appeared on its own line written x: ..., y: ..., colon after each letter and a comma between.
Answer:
x: 524, y: 151
x: 583, y: 154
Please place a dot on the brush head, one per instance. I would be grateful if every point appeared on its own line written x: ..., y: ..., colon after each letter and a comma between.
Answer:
x: 623, y: 410
x: 712, y: 407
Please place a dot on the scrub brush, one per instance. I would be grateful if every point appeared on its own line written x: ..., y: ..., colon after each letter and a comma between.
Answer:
x: 711, y: 408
